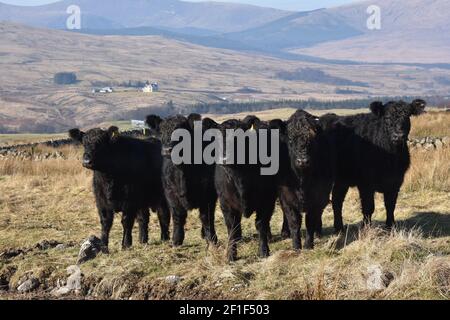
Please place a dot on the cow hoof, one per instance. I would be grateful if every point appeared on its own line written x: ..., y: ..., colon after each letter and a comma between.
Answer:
x: 105, y: 250
x: 389, y: 228
x: 177, y: 243
x: 309, y: 245
x: 297, y: 246
x: 165, y: 237
x: 285, y: 235
x: 264, y: 253
x: 213, y: 241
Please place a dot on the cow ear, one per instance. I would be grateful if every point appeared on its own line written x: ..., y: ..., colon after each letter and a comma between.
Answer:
x: 278, y: 124
x: 113, y: 132
x: 153, y: 122
x: 192, y: 118
x: 316, y: 125
x: 76, y: 135
x: 417, y: 107
x: 251, y: 122
x: 377, y: 108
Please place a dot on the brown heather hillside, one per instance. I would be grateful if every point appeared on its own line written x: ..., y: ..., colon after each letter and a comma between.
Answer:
x: 187, y: 74
x: 52, y: 200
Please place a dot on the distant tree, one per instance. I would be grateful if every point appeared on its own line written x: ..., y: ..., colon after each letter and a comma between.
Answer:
x: 63, y: 78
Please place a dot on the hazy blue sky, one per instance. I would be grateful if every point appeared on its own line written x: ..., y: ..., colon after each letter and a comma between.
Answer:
x: 282, y: 4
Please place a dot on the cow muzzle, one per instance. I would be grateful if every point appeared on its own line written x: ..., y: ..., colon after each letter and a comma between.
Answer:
x: 302, y: 163
x: 166, y: 151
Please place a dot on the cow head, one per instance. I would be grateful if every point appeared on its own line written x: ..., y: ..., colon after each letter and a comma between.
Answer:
x: 165, y: 128
x: 97, y: 146
x: 395, y: 116
x: 302, y: 132
x: 153, y: 122
x: 209, y: 123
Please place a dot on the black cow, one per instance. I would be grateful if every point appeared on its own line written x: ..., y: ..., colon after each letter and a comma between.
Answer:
x: 127, y: 179
x: 242, y: 190
x: 187, y: 186
x: 311, y: 150
x: 290, y: 193
x: 373, y: 155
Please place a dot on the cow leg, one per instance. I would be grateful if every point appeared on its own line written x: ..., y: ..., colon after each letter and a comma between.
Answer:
x: 106, y: 220
x: 339, y: 193
x: 263, y: 226
x: 390, y: 201
x: 128, y: 218
x: 233, y: 222
x: 164, y: 220
x: 367, y: 204
x: 312, y: 220
x: 285, y: 229
x: 207, y: 219
x: 295, y: 223
x: 319, y: 226
x: 203, y: 232
x: 179, y: 220
x: 292, y: 218
x: 269, y: 234
x: 143, y: 218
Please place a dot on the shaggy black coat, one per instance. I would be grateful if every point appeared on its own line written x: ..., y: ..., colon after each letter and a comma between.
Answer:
x: 373, y: 155
x: 311, y: 154
x: 186, y: 186
x: 127, y: 179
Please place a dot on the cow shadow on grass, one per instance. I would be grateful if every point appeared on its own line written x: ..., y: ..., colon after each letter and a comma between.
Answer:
x: 430, y: 224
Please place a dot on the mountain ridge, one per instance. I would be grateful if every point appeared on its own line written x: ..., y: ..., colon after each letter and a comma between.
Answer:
x: 214, y: 16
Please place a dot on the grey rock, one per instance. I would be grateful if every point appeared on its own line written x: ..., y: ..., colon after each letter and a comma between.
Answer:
x: 89, y: 249
x: 429, y: 146
x: 377, y: 278
x: 46, y: 244
x: 61, y: 247
x: 173, y: 279
x: 29, y: 285
x: 73, y: 282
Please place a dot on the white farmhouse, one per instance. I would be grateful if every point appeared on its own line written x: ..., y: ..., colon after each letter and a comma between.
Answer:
x: 150, y: 87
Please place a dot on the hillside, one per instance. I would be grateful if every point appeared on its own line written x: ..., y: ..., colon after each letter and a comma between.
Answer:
x: 416, y: 31
x: 188, y: 74
x: 107, y: 14
x: 411, y: 31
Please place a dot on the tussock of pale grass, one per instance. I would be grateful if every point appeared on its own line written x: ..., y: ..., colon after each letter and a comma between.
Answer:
x: 432, y: 124
x: 51, y: 167
x: 430, y: 170
x: 324, y: 274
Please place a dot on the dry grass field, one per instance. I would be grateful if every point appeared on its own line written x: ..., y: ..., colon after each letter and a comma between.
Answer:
x: 52, y: 200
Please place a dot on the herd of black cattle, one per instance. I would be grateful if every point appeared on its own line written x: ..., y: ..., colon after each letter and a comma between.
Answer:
x: 318, y: 157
